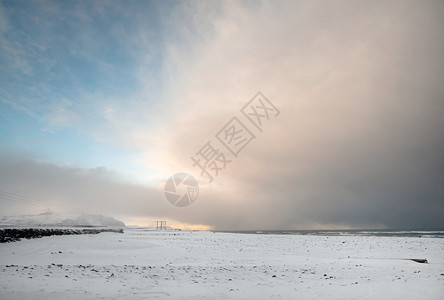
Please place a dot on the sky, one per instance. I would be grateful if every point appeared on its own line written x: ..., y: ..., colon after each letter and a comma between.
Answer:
x: 102, y: 101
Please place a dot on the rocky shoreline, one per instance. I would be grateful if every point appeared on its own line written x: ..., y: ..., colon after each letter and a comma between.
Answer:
x: 15, y: 234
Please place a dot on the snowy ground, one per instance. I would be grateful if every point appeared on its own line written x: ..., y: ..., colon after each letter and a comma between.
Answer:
x: 199, y: 265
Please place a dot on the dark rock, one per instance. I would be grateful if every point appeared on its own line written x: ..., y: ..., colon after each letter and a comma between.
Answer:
x: 15, y: 234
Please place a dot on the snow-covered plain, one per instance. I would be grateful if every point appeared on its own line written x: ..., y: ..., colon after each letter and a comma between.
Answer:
x: 146, y: 264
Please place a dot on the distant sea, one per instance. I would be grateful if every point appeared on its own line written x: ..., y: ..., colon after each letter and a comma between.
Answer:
x: 426, y: 233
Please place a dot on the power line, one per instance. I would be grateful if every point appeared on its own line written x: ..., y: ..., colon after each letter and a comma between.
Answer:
x: 36, y: 202
x: 27, y: 199
x: 2, y: 197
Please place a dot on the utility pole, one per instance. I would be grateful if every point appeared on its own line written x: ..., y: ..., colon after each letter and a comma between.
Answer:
x: 161, y: 225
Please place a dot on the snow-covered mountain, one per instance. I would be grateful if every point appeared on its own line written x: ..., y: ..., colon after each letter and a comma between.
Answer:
x: 51, y: 218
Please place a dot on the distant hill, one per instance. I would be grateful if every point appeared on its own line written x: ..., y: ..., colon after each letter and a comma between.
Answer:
x: 51, y: 218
